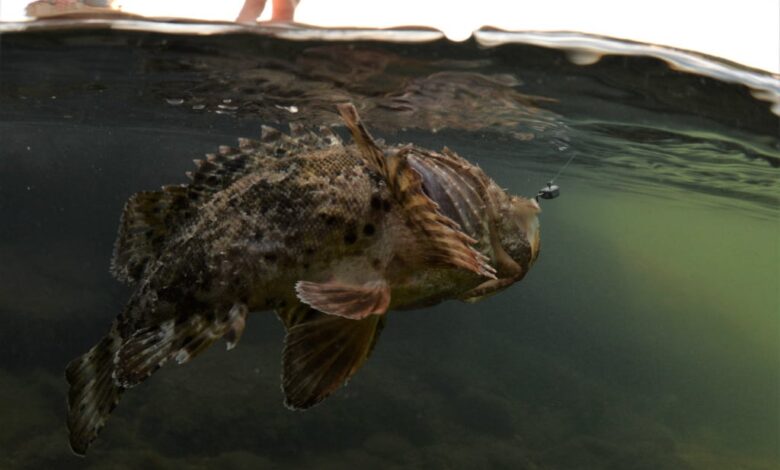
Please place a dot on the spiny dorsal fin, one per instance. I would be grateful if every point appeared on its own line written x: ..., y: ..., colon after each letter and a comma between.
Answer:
x: 372, y: 154
x: 150, y: 218
x: 321, y: 352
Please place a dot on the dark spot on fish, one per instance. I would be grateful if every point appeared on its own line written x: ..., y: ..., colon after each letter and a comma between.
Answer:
x: 350, y: 234
x: 259, y: 235
x: 305, y: 265
x: 188, y: 339
x: 369, y: 229
x: 376, y: 202
x: 282, y: 303
x: 375, y: 263
x: 210, y: 317
x: 386, y: 205
x: 212, y: 180
x: 309, y: 251
x: 331, y: 220
x: 271, y: 257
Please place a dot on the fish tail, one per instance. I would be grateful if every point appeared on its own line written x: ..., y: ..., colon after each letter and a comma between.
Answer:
x: 93, y: 393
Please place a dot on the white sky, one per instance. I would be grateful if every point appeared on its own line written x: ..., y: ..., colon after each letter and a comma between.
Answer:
x: 744, y: 31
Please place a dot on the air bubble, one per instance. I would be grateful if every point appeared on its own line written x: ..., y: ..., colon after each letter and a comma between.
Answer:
x: 292, y: 109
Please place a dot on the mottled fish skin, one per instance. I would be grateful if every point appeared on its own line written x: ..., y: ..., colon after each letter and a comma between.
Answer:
x: 328, y: 235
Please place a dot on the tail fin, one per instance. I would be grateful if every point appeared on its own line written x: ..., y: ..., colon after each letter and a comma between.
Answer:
x: 93, y: 394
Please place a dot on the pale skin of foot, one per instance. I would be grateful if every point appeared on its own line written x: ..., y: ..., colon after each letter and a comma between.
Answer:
x: 283, y: 10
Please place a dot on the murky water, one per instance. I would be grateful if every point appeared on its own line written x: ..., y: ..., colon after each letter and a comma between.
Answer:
x: 646, y: 336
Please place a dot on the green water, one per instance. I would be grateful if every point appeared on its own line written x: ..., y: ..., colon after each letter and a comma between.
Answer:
x: 646, y: 336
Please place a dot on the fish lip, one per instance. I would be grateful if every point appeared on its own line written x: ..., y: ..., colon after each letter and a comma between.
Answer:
x: 532, y: 235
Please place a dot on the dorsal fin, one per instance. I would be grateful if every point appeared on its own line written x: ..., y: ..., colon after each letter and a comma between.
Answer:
x: 372, y: 154
x: 150, y: 218
x: 144, y: 227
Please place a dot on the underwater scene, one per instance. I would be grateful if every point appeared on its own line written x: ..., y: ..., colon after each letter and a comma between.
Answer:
x: 645, y: 335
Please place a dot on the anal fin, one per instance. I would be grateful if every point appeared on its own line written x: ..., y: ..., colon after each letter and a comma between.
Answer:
x: 150, y: 348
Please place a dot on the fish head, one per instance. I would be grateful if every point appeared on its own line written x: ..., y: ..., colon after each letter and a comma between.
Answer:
x: 514, y: 238
x: 465, y: 194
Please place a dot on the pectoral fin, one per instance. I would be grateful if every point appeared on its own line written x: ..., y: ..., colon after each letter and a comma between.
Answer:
x: 321, y: 352
x: 447, y: 244
x: 349, y: 301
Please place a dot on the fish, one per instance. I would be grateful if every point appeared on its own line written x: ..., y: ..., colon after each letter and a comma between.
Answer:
x: 330, y: 236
